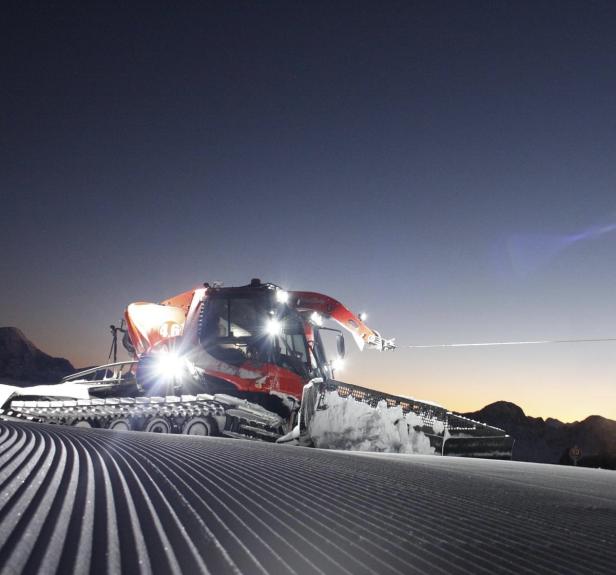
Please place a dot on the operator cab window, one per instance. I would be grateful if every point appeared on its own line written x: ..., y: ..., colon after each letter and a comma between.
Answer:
x: 230, y: 328
x: 234, y: 331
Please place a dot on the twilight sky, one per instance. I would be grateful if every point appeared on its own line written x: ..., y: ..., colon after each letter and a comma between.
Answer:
x: 449, y: 167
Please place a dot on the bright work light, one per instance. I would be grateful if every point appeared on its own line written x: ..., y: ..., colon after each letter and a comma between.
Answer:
x: 338, y: 364
x: 316, y: 318
x: 170, y: 365
x: 273, y: 327
x: 282, y: 296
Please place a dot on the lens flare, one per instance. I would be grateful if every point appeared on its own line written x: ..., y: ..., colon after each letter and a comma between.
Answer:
x: 530, y: 252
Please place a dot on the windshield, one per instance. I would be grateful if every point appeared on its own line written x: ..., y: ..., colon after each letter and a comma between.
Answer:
x: 239, y: 328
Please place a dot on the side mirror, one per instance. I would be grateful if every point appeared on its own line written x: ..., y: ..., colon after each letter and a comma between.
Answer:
x: 340, y: 345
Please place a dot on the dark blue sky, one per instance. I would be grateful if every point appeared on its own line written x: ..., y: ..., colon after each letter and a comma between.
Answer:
x: 448, y: 166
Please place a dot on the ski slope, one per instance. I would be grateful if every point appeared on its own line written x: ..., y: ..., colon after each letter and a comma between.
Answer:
x: 85, y: 500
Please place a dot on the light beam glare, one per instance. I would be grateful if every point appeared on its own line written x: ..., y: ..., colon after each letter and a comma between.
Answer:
x: 530, y: 252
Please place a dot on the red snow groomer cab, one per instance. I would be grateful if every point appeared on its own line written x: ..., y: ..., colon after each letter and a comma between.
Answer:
x: 255, y: 342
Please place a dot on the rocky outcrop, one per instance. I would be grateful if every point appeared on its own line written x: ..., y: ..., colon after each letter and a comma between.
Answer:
x: 21, y: 360
x: 549, y: 440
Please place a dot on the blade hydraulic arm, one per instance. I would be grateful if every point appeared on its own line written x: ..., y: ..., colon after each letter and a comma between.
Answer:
x: 330, y: 308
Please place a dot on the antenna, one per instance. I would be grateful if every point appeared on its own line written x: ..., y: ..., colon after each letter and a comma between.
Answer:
x: 114, y: 340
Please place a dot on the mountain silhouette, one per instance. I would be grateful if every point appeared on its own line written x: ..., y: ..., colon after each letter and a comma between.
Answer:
x: 22, y: 362
x: 549, y: 440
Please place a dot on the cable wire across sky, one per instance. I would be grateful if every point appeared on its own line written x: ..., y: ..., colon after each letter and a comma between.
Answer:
x: 496, y: 343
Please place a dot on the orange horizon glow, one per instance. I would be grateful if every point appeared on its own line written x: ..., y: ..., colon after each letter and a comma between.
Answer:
x: 466, y: 382
x: 476, y: 398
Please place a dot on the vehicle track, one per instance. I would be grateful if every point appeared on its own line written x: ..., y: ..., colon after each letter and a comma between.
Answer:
x: 76, y: 500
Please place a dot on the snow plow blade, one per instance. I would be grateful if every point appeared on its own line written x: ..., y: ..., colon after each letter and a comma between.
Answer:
x: 468, y: 438
x: 339, y: 415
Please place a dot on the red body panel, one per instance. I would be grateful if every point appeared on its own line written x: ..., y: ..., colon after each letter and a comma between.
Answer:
x: 182, y: 300
x: 331, y: 308
x: 148, y: 324
x: 270, y: 378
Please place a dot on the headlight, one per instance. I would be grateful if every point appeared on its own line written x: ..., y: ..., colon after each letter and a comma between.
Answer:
x: 273, y: 327
x: 170, y: 365
x: 338, y: 364
x: 282, y: 296
x: 316, y: 318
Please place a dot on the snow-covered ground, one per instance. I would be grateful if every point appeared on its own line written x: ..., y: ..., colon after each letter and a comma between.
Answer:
x: 88, y: 500
x: 60, y: 390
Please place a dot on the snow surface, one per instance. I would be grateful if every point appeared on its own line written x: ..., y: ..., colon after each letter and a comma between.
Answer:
x: 60, y: 390
x: 352, y: 425
x: 77, y: 500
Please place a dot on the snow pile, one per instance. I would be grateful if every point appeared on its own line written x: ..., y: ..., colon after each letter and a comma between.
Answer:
x: 292, y: 437
x: 6, y: 392
x: 349, y: 424
x: 67, y: 390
